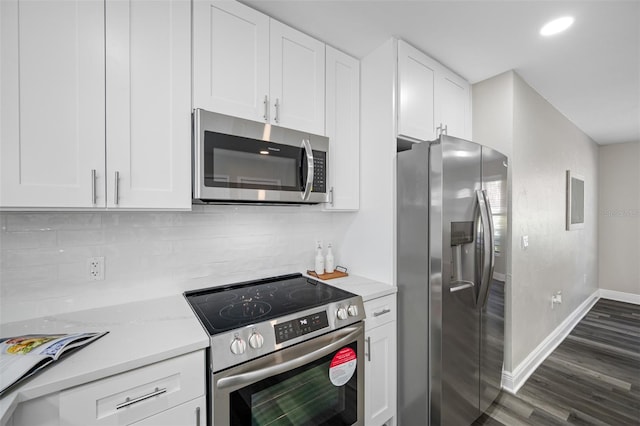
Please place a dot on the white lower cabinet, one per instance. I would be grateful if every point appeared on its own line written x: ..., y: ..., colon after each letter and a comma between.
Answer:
x: 192, y: 413
x: 129, y: 397
x: 380, y: 361
x: 169, y: 392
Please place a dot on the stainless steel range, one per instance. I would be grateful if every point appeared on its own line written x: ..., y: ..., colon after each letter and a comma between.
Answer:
x: 286, y: 350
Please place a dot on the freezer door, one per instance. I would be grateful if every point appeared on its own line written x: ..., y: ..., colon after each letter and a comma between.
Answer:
x: 491, y: 300
x: 458, y: 238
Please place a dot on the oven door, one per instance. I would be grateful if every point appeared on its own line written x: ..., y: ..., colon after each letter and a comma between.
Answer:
x: 317, y: 382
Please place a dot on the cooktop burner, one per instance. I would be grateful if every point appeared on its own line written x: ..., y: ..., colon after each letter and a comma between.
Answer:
x: 226, y: 308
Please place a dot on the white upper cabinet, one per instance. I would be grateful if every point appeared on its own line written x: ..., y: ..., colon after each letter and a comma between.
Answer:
x: 148, y: 104
x: 231, y: 59
x: 52, y: 103
x: 416, y: 93
x: 297, y: 84
x: 343, y: 129
x: 431, y: 98
x: 454, y: 98
x: 66, y: 101
x: 250, y: 66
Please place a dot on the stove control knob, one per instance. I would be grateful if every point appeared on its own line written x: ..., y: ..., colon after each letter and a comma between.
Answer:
x: 352, y: 310
x: 238, y: 346
x: 256, y: 340
x: 342, y: 313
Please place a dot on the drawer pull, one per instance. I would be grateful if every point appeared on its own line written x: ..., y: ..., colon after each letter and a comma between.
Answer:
x: 382, y: 312
x: 129, y: 402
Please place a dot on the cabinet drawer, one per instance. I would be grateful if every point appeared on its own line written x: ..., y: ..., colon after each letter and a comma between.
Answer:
x: 380, y: 311
x: 134, y: 395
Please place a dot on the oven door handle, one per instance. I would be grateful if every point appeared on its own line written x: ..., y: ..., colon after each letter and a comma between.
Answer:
x: 348, y: 334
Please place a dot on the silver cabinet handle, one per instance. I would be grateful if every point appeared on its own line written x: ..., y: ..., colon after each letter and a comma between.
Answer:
x: 348, y: 334
x: 116, y: 191
x: 93, y: 187
x: 129, y: 402
x: 309, y: 183
x: 197, y: 416
x: 462, y: 285
x: 277, y: 106
x: 266, y: 108
x: 368, y: 340
x: 382, y: 312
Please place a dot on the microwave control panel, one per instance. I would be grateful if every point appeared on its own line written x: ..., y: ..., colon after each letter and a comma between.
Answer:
x: 319, y: 171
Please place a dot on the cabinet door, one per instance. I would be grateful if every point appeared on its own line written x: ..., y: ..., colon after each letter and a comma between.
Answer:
x: 52, y: 103
x: 343, y: 129
x: 416, y: 93
x: 230, y: 59
x: 296, y: 79
x: 148, y: 103
x: 136, y: 395
x: 192, y: 413
x: 380, y: 374
x: 454, y: 100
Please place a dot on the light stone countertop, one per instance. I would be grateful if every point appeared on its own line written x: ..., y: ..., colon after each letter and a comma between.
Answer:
x: 140, y: 333
x: 365, y: 287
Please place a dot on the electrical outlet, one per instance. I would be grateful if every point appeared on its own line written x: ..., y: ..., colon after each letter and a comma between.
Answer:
x: 95, y: 266
x: 525, y: 242
x: 556, y: 298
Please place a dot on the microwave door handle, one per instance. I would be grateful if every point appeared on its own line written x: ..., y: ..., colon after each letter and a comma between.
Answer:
x: 309, y: 155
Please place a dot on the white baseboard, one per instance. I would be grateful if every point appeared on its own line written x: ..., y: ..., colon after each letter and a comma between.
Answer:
x: 512, y: 381
x: 620, y: 296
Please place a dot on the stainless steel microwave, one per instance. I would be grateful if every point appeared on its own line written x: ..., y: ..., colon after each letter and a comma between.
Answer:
x: 238, y: 160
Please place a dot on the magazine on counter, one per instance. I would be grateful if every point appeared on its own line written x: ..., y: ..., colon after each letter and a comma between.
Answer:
x: 23, y: 356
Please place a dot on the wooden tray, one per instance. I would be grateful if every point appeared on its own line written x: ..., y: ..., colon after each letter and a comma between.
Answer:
x: 334, y: 274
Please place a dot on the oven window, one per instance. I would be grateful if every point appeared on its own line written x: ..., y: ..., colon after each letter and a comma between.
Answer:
x: 304, y: 396
x: 237, y: 162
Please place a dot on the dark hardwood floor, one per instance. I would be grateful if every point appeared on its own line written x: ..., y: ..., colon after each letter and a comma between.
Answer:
x: 592, y: 378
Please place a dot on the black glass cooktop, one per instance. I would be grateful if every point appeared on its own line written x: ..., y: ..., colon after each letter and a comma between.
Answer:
x: 224, y: 308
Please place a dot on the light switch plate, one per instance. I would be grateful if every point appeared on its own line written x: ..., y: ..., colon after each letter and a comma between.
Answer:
x: 525, y: 242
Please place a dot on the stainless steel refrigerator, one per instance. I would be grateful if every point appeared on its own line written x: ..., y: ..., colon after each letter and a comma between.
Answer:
x: 452, y: 222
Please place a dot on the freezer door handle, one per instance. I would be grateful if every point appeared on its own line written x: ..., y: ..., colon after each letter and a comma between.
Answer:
x: 486, y: 249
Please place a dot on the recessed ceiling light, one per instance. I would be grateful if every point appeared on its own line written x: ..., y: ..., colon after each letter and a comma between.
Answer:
x: 556, y: 26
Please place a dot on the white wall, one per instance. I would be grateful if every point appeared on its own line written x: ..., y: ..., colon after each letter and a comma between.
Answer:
x: 546, y: 145
x: 43, y: 256
x: 619, y: 217
x: 542, y: 145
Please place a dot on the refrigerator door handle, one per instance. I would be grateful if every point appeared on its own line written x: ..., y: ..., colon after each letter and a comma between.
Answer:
x: 490, y: 247
x: 487, y: 244
x: 462, y: 284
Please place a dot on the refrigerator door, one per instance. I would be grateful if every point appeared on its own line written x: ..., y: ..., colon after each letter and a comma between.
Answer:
x: 458, y: 239
x: 491, y: 302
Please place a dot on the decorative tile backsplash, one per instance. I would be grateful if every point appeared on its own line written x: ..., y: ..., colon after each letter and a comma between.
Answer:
x: 43, y: 256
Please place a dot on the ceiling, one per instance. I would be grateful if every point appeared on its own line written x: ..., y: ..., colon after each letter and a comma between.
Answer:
x: 590, y: 73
